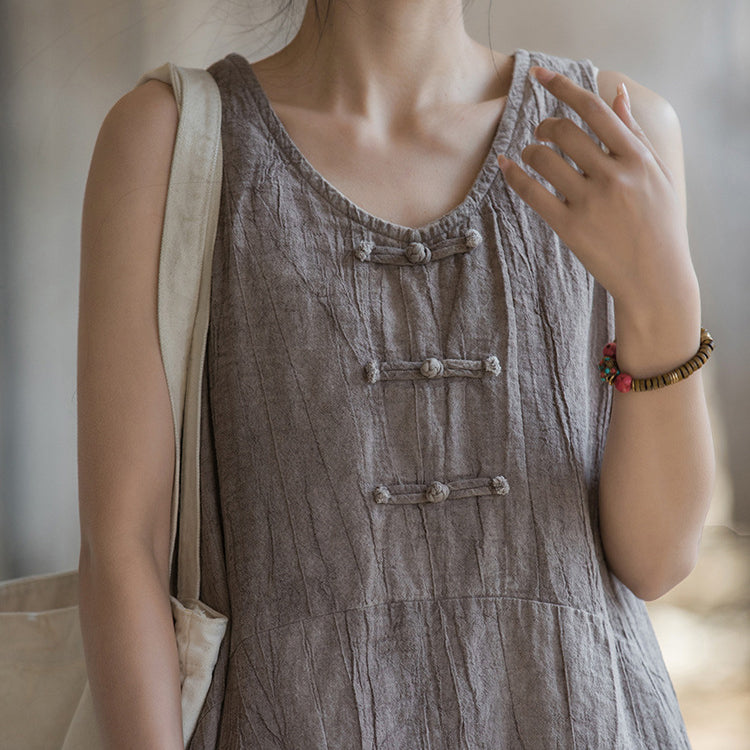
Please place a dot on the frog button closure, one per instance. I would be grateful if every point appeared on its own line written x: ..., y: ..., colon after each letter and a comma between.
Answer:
x: 472, y: 239
x: 372, y: 371
x: 381, y: 494
x: 363, y: 251
x: 437, y: 492
x: 432, y: 368
x: 418, y: 252
x: 499, y: 485
x: 492, y: 365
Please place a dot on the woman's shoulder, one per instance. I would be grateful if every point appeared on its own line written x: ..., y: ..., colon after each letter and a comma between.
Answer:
x: 152, y: 102
x: 585, y: 71
x: 136, y: 138
x: 128, y: 179
x: 605, y: 81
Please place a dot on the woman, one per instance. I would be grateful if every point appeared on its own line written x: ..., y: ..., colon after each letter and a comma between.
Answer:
x: 408, y: 511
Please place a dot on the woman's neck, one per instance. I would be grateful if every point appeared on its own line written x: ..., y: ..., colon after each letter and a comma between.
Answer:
x: 384, y: 60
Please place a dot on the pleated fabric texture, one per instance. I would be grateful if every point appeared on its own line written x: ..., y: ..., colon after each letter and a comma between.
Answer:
x: 402, y: 436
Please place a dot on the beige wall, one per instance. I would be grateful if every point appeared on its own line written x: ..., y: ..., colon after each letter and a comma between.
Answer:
x: 65, y: 62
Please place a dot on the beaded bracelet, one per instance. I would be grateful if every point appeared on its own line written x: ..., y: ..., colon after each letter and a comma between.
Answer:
x: 611, y: 375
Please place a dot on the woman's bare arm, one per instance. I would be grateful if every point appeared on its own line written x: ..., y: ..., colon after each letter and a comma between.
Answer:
x: 125, y: 434
x: 659, y: 465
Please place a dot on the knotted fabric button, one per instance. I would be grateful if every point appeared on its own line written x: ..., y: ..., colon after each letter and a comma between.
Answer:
x: 372, y: 371
x: 437, y: 492
x: 472, y: 238
x: 492, y: 365
x: 417, y: 252
x: 381, y: 494
x: 432, y: 368
x: 363, y: 251
x: 500, y: 485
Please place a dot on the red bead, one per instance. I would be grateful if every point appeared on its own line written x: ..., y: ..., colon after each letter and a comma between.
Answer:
x: 610, y: 349
x: 623, y: 382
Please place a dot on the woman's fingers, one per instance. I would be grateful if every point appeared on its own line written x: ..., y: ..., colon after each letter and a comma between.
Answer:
x: 574, y: 143
x: 565, y: 178
x: 621, y: 105
x: 593, y: 110
x: 548, y: 206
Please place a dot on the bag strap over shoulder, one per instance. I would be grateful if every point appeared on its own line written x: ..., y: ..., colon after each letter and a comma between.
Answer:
x: 184, y: 287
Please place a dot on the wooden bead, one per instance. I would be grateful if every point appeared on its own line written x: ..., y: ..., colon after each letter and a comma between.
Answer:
x: 624, y: 382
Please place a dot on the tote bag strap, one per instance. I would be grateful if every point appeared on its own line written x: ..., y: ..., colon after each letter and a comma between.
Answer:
x: 184, y: 286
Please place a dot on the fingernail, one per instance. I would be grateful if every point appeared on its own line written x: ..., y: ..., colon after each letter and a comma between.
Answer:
x: 542, y: 74
x: 502, y: 161
x: 624, y: 92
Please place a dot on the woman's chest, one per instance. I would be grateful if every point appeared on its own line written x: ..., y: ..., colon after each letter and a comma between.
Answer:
x: 345, y: 305
x: 410, y: 176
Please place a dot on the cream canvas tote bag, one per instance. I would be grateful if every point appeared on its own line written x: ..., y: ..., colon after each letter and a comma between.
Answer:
x: 45, y: 702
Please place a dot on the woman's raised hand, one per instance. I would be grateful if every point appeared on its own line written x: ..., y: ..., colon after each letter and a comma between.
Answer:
x: 620, y: 212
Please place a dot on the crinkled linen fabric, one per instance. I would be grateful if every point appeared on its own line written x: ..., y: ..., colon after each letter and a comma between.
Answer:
x: 402, y: 434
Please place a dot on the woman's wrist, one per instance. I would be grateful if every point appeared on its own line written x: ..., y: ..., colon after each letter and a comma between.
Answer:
x: 656, y: 337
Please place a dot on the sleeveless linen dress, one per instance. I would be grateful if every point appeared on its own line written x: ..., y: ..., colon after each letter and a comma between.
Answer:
x: 402, y: 432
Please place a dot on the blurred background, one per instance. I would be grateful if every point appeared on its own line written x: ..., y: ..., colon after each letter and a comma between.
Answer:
x: 64, y: 63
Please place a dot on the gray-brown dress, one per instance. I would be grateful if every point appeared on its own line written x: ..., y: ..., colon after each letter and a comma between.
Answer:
x: 401, y: 441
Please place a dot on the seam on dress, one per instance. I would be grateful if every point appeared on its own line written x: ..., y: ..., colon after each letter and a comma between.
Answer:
x: 431, y: 599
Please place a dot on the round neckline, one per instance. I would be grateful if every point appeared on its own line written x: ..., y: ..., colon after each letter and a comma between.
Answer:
x: 451, y: 221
